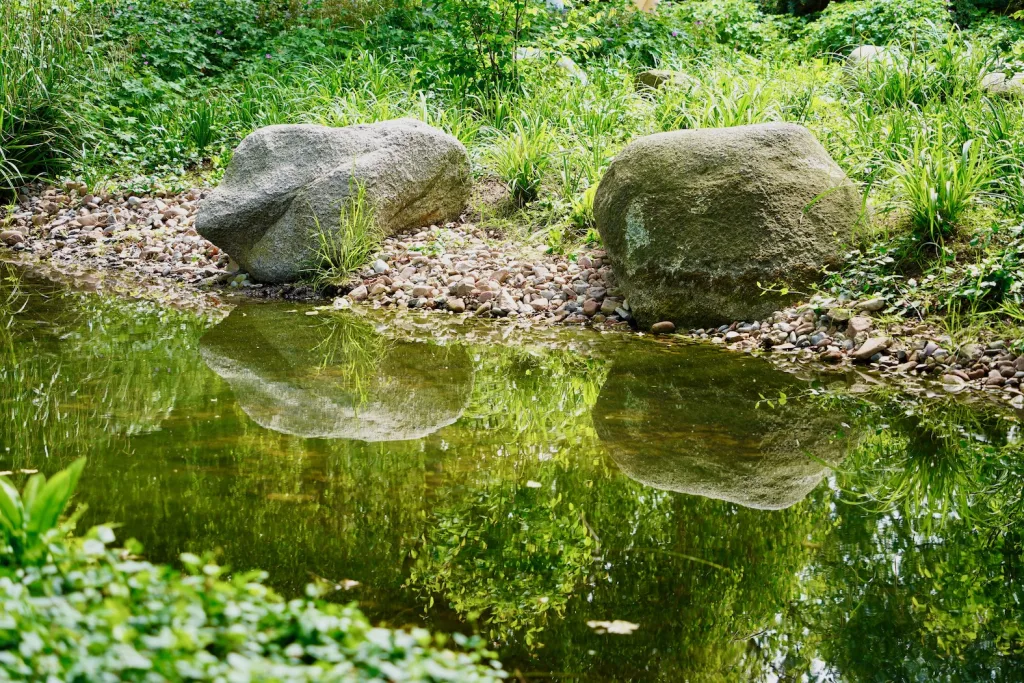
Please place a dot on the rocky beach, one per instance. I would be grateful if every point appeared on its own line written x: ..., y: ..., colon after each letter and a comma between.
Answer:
x: 147, y: 246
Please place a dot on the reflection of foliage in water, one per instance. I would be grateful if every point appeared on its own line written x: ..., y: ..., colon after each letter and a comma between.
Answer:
x: 512, y: 547
x: 937, y: 461
x: 536, y: 546
x: 543, y: 395
x: 922, y: 568
x: 510, y: 552
x: 863, y: 575
x: 57, y: 387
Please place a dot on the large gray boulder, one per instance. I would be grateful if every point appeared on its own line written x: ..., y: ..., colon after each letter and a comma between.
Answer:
x: 693, y: 220
x: 336, y: 378
x: 691, y: 423
x: 282, y: 180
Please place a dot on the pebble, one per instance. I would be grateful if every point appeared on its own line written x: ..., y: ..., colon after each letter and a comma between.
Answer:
x: 870, y: 347
x: 11, y: 237
x: 859, y: 324
x: 871, y: 305
x: 663, y: 327
x: 68, y: 228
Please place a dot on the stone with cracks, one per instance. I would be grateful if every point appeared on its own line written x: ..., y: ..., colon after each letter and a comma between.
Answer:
x: 285, y: 183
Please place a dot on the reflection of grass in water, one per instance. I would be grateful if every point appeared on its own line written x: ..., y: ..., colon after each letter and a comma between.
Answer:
x: 57, y: 390
x: 353, y: 350
x: 933, y: 460
x: 534, y: 395
x: 12, y: 302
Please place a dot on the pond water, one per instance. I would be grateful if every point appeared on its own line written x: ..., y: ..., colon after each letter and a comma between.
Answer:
x: 723, y: 519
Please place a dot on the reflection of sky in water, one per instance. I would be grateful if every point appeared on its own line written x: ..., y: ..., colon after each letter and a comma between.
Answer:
x: 555, y: 478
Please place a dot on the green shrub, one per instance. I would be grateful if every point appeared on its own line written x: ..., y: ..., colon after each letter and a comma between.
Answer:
x: 738, y: 24
x: 473, y: 43
x: 845, y: 25
x: 179, y: 38
x: 597, y: 31
x: 797, y: 8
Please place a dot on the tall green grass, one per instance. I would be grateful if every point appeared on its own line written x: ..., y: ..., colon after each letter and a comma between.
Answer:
x: 43, y: 62
x: 940, y: 186
x: 345, y: 247
x: 521, y: 157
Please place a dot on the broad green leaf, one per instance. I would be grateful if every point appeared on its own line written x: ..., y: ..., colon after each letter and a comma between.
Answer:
x: 50, y: 502
x: 11, y: 510
x: 31, y: 490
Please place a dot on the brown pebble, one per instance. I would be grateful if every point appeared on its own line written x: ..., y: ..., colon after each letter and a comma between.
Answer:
x: 663, y: 327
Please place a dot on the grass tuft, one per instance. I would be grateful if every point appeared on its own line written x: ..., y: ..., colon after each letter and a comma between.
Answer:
x: 940, y: 186
x: 521, y: 157
x: 343, y: 249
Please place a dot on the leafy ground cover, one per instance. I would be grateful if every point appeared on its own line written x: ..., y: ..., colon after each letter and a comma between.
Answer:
x: 159, y: 91
x: 80, y: 608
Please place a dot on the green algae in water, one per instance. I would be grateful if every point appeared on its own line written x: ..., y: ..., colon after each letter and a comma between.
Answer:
x: 527, y: 485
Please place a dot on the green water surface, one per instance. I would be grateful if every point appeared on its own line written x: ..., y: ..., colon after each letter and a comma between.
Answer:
x: 737, y: 522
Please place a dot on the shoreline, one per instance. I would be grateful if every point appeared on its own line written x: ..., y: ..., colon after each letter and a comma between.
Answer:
x: 147, y: 247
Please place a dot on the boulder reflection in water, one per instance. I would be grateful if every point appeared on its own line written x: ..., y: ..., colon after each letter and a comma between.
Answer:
x: 336, y: 377
x: 692, y: 423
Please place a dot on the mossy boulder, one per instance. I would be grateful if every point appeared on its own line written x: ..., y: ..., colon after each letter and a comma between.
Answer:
x: 285, y: 183
x: 698, y: 223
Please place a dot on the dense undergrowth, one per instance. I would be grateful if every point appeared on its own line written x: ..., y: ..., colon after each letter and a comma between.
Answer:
x: 160, y: 91
x: 80, y: 608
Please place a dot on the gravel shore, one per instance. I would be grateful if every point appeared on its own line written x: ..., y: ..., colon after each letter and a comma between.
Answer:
x: 150, y: 244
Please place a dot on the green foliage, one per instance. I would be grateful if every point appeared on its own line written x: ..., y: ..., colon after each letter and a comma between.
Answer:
x: 845, y: 25
x: 29, y: 520
x: 69, y: 620
x: 737, y: 24
x: 474, y: 42
x: 342, y: 250
x: 940, y: 187
x: 797, y: 8
x: 592, y: 32
x: 521, y: 157
x: 43, y: 64
x: 182, y: 38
